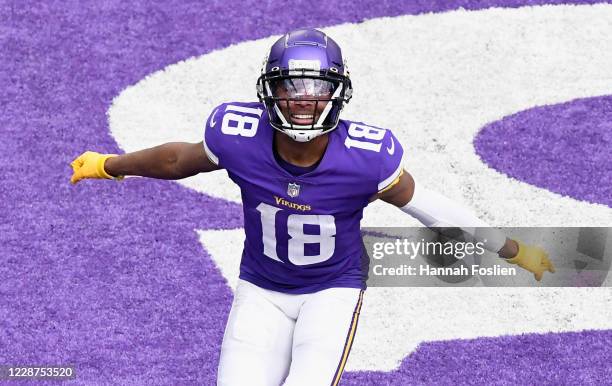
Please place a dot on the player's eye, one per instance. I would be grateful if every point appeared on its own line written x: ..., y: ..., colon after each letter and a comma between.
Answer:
x: 304, y: 87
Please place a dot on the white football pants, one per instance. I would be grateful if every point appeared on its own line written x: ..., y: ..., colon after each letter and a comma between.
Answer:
x: 273, y: 339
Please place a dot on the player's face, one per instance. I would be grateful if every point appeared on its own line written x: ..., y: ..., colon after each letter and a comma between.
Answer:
x: 303, y: 99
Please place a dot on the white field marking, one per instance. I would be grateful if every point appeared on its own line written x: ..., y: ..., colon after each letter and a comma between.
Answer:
x: 225, y: 246
x: 445, y: 77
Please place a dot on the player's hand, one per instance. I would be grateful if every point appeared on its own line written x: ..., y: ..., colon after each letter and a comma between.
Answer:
x: 534, y: 259
x: 90, y: 165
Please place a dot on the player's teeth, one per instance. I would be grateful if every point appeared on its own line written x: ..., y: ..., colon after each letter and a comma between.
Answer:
x: 300, y: 116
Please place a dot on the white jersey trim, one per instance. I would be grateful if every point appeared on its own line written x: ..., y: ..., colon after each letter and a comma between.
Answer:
x: 386, y: 182
x: 211, y: 156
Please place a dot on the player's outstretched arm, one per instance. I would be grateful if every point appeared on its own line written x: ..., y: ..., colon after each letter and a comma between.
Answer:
x: 434, y: 210
x: 170, y: 161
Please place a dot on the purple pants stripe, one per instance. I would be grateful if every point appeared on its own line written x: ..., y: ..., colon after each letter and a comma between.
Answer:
x: 350, y: 336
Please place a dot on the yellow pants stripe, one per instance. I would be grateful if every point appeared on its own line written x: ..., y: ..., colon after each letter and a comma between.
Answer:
x: 349, y: 342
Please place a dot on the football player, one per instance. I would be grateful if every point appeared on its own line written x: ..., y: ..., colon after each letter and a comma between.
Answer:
x: 305, y: 177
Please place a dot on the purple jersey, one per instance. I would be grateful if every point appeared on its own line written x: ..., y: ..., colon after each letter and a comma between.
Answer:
x: 302, y: 232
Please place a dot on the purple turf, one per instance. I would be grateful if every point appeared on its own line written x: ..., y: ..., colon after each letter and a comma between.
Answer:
x: 580, y: 358
x: 111, y: 276
x: 565, y: 148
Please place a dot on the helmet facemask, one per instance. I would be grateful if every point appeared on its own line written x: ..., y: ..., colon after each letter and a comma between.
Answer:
x: 303, y: 103
x: 304, y: 84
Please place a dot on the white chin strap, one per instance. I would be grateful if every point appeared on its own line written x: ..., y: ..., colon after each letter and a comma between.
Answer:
x: 302, y: 135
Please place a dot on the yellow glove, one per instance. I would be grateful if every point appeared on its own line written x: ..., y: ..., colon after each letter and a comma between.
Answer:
x: 532, y: 258
x: 90, y: 165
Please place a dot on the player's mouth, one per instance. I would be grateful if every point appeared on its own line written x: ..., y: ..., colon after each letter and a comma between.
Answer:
x: 302, y: 119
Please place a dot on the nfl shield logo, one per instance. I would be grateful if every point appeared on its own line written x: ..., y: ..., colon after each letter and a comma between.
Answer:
x: 293, y: 190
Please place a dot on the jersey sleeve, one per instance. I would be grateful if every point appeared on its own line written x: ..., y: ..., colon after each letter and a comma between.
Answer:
x: 213, y: 137
x: 391, y: 165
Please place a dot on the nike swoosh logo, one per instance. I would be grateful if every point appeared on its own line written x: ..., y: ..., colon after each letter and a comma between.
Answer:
x: 391, y: 149
x: 212, y: 118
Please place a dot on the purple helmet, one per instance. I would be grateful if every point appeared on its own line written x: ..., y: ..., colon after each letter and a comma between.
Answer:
x: 304, y: 84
